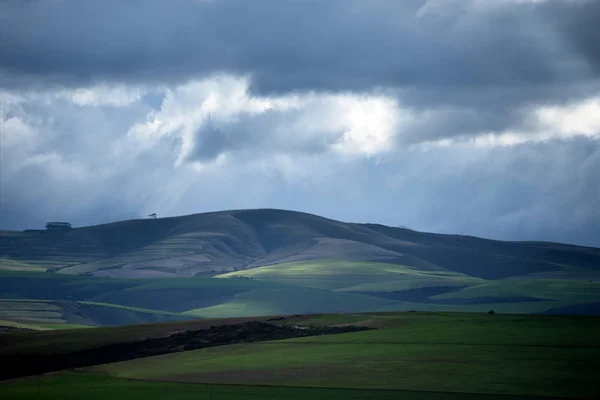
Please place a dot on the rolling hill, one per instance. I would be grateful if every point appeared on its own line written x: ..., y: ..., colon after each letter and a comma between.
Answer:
x: 266, y: 262
x: 220, y: 242
x: 60, y: 314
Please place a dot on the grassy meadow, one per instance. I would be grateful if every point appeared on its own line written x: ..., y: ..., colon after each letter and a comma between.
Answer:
x: 43, y: 300
x: 549, y: 289
x: 442, y: 352
x: 77, y: 386
x: 411, y: 355
x: 353, y: 276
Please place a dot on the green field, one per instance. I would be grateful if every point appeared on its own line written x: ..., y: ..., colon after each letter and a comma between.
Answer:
x: 355, y: 276
x: 43, y: 299
x: 293, y: 301
x: 410, y: 356
x: 549, y: 289
x: 95, y: 386
x: 31, y: 313
x: 16, y: 265
x: 472, y: 353
x: 60, y: 314
x: 50, y: 314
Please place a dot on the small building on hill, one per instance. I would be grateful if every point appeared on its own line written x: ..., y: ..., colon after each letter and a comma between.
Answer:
x: 58, y: 226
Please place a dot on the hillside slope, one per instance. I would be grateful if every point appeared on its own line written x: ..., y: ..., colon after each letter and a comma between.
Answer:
x: 273, y: 262
x: 66, y: 314
x: 220, y: 242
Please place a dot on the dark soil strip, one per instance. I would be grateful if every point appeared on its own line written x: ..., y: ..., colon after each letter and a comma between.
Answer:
x: 18, y: 365
x: 14, y: 329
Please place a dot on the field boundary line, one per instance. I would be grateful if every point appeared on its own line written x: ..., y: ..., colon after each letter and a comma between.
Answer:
x: 499, y: 395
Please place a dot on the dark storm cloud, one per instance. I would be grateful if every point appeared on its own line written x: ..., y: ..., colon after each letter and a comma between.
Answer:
x: 579, y: 25
x: 461, y: 122
x: 261, y: 134
x: 304, y: 45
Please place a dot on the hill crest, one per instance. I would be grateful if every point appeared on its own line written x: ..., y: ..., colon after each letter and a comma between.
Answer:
x: 218, y: 242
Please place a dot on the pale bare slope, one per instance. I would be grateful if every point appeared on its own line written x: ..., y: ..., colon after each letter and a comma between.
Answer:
x: 220, y: 242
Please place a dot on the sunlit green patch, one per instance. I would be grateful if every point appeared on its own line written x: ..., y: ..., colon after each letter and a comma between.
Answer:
x: 354, y: 276
x: 549, y: 289
x: 292, y: 301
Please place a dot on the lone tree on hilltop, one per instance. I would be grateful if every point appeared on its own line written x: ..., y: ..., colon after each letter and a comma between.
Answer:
x: 491, y: 312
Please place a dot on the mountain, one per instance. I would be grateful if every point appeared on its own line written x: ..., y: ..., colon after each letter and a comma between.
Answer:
x: 300, y: 258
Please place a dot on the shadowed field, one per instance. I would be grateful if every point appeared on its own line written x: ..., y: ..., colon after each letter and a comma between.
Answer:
x: 509, y: 355
x: 96, y: 386
x: 409, y: 355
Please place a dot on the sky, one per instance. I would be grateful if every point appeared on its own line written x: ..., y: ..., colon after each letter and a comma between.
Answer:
x: 477, y: 117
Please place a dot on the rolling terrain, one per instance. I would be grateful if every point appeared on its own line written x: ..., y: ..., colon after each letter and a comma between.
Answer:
x: 57, y: 314
x: 271, y: 262
x: 221, y: 242
x: 415, y: 356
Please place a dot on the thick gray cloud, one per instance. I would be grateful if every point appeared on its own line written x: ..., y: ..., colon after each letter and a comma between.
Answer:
x: 310, y: 44
x: 487, y: 59
x: 465, y: 116
x: 546, y: 190
x: 255, y: 136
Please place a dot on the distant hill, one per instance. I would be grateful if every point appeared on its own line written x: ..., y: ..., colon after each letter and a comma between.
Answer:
x: 275, y: 262
x: 218, y: 242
